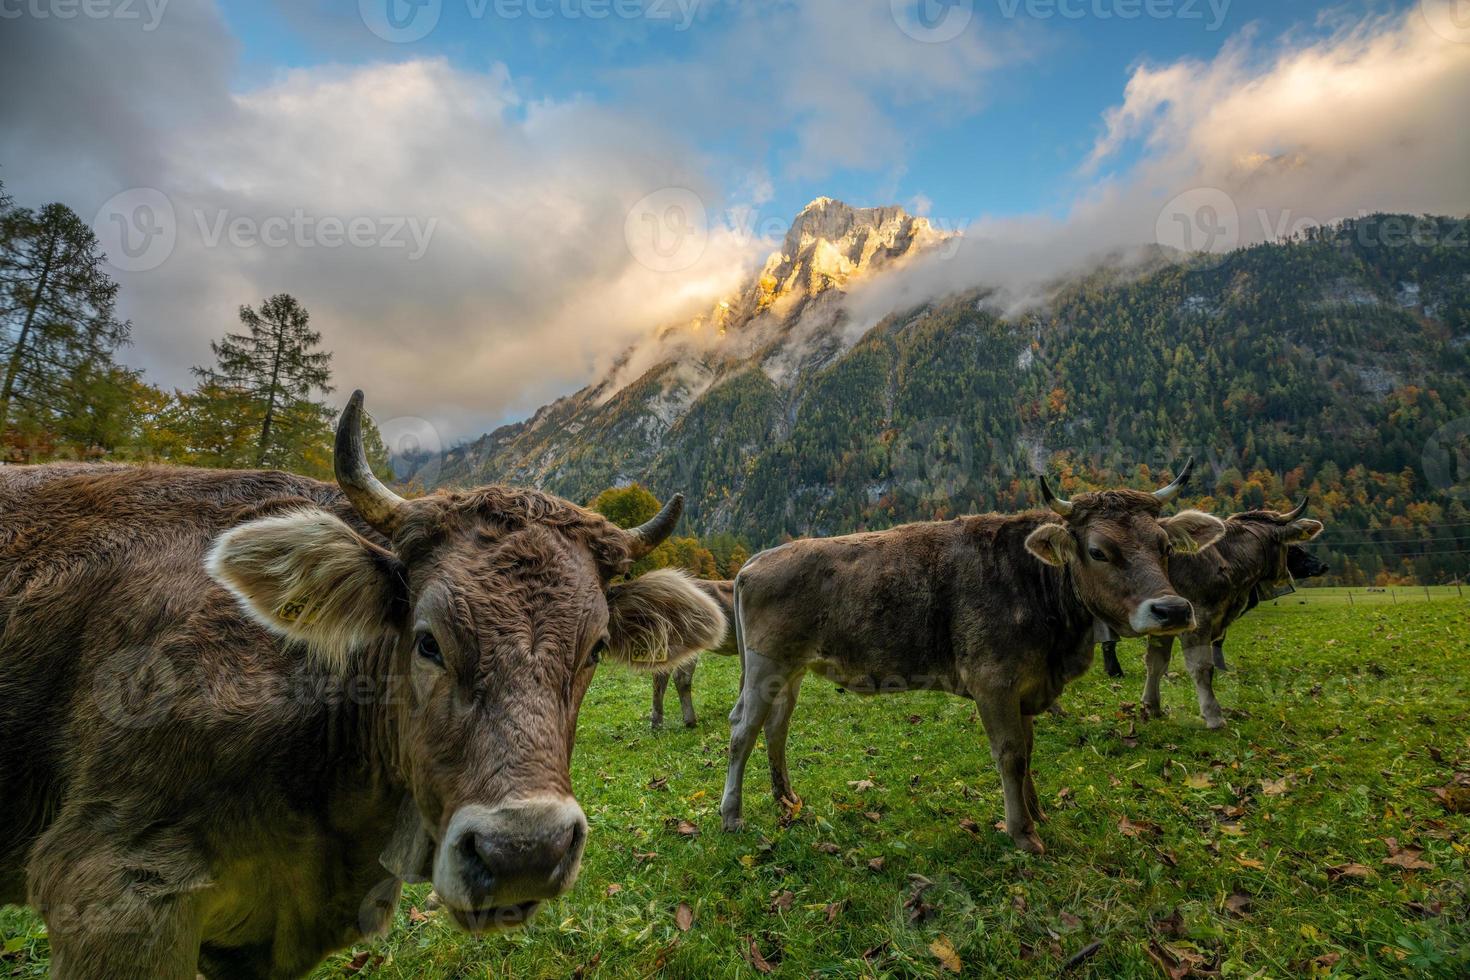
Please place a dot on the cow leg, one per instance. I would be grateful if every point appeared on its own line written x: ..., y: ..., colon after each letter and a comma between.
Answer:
x: 1156, y: 662
x: 684, y: 682
x: 762, y: 681
x: 1005, y: 727
x: 1219, y: 654
x: 660, y: 686
x: 778, y: 723
x: 1110, y: 659
x: 1199, y: 658
x: 1033, y: 799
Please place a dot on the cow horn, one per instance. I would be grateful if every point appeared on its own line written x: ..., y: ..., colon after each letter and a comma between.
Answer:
x: 1061, y: 505
x: 374, y: 503
x: 1168, y: 493
x: 1295, y: 512
x: 651, y: 534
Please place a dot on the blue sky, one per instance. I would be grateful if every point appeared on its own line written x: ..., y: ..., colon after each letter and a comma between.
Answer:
x: 1014, y: 148
x: 513, y: 167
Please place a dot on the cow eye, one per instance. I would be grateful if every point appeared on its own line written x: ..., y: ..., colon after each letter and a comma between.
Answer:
x: 1097, y: 554
x: 428, y: 648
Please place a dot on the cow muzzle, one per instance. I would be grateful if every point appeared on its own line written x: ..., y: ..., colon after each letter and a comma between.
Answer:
x: 1164, y: 616
x: 496, y: 865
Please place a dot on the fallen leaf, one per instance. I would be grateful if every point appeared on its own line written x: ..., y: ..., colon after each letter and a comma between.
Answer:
x: 684, y: 917
x: 644, y: 855
x: 1018, y: 902
x: 860, y: 785
x: 968, y: 825
x: 613, y: 889
x: 1337, y: 872
x: 1170, y: 925
x: 687, y: 829
x: 1274, y: 787
x: 1131, y: 828
x: 1246, y: 862
x: 782, y: 902
x: 752, y: 955
x: 1069, y: 920
x: 875, y: 864
x: 1456, y: 799
x: 873, y: 815
x: 1175, y: 963
x: 356, y: 964
x: 833, y: 910
x: 1327, y: 960
x: 827, y: 847
x: 1200, y: 780
x: 944, y: 952
x: 1409, y: 859
x: 1238, y: 904
x: 415, y: 916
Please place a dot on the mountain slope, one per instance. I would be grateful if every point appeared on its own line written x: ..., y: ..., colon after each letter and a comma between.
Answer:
x: 1326, y: 363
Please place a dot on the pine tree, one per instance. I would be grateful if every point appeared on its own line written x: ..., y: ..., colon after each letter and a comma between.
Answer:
x: 57, y: 322
x: 265, y: 378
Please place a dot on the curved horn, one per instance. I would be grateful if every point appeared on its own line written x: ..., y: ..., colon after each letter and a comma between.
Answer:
x: 1061, y: 505
x: 1168, y: 493
x: 1295, y: 512
x: 650, y: 535
x: 374, y: 503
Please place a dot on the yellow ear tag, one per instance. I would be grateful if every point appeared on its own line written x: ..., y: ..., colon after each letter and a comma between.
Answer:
x: 297, y: 610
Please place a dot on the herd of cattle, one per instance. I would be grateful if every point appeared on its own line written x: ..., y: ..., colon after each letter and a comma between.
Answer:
x: 238, y: 709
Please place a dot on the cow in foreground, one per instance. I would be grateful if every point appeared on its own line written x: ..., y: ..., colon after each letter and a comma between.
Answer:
x: 1220, y: 582
x: 1300, y: 563
x: 996, y: 608
x: 723, y: 592
x: 200, y: 771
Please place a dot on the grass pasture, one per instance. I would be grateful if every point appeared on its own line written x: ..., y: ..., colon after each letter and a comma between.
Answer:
x: 1305, y: 838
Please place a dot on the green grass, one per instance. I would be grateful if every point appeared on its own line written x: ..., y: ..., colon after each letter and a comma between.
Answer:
x: 1361, y: 711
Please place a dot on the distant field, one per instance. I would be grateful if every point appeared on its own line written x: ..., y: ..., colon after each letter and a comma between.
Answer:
x: 1387, y: 596
x: 1261, y: 850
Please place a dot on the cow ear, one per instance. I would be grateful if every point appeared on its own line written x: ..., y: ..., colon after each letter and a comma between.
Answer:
x: 1052, y: 543
x: 659, y: 620
x: 1192, y: 530
x: 1304, y: 529
x: 308, y: 576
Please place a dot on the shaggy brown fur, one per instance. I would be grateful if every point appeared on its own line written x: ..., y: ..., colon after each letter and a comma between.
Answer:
x: 963, y: 606
x: 721, y: 591
x: 185, y: 788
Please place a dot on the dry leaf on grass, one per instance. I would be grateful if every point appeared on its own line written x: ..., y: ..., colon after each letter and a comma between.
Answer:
x: 782, y: 901
x: 875, y: 864
x: 944, y: 952
x: 1238, y: 904
x: 860, y: 785
x: 1275, y: 787
x: 969, y: 826
x: 1136, y: 828
x: 684, y: 917
x: 1246, y: 862
x: 752, y: 955
x: 833, y: 910
x: 1200, y: 780
x: 1337, y: 872
x: 1407, y: 858
x: 613, y: 889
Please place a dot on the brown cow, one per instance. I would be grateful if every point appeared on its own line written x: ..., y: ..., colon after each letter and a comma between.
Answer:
x: 1220, y: 581
x: 201, y: 774
x: 996, y: 608
x: 723, y: 592
x: 1300, y: 563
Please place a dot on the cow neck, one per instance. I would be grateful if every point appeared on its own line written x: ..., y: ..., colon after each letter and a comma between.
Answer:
x: 364, y: 723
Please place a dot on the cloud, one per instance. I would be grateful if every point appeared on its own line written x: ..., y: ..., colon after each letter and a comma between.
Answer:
x: 1263, y: 140
x: 526, y: 285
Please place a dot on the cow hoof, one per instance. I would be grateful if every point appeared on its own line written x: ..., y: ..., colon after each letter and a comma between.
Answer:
x: 732, y: 824
x: 1152, y: 711
x: 1114, y: 671
x: 1214, y: 724
x: 656, y: 722
x: 1030, y: 843
x: 691, y: 723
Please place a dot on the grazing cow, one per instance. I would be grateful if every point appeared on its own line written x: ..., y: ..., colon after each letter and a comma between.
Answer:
x: 200, y: 771
x: 1300, y: 562
x: 723, y: 592
x: 1220, y: 582
x: 995, y: 608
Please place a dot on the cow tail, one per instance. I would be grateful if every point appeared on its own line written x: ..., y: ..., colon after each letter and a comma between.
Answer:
x: 739, y: 627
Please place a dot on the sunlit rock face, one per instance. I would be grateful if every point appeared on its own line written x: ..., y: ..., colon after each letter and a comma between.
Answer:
x: 786, y: 322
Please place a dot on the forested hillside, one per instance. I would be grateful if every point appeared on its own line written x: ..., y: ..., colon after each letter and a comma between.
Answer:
x: 1326, y: 364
